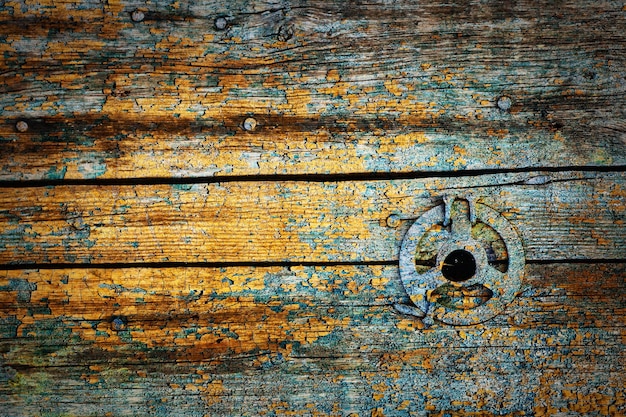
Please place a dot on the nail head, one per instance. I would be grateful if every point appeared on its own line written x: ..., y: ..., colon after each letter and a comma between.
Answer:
x: 249, y: 124
x: 118, y: 324
x: 393, y: 220
x: 505, y: 103
x: 221, y: 23
x: 137, y: 16
x: 21, y: 126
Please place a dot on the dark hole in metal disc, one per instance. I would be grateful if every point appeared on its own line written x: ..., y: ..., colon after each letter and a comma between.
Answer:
x: 459, y: 265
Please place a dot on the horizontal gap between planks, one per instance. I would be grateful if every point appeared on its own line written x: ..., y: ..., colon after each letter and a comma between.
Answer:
x: 267, y: 264
x: 154, y: 362
x: 359, y: 176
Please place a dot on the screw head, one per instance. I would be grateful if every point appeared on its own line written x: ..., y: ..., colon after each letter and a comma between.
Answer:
x: 21, y: 126
x: 221, y: 23
x: 137, y: 16
x: 504, y: 103
x: 249, y: 124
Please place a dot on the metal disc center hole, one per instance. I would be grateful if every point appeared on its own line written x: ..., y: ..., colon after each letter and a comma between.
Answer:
x: 459, y: 265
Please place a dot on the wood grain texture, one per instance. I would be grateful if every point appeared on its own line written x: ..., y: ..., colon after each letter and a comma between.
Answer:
x: 158, y: 258
x: 560, y: 216
x: 336, y: 87
x: 304, y: 341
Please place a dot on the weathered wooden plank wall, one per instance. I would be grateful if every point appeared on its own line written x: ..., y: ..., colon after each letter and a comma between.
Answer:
x: 202, y: 205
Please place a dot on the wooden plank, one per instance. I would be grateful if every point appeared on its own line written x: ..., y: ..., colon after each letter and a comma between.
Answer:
x: 146, y: 393
x: 361, y: 88
x: 577, y: 215
x: 218, y: 339
x: 156, y: 305
x: 111, y: 148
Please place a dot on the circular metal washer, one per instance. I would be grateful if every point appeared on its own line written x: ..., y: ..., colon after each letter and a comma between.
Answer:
x: 501, y: 286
